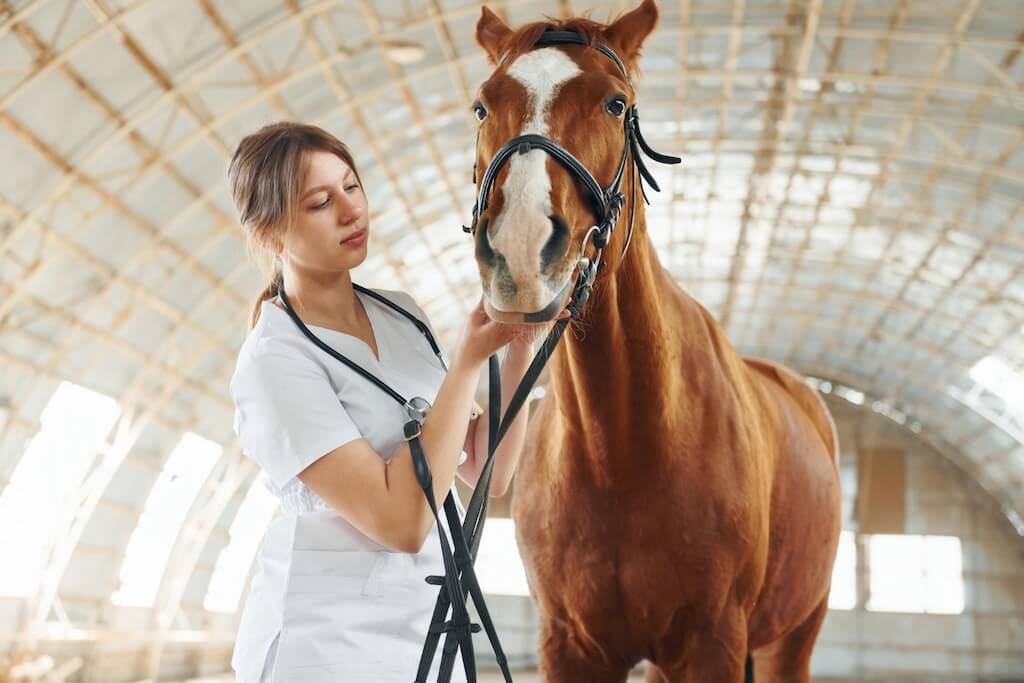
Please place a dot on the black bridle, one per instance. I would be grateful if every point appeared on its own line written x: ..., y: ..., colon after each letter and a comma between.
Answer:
x: 607, y: 202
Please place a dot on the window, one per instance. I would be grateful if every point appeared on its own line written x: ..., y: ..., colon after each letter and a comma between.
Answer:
x: 844, y: 574
x: 150, y: 545
x: 498, y: 564
x: 1000, y: 379
x: 73, y: 426
x: 233, y: 563
x: 922, y: 574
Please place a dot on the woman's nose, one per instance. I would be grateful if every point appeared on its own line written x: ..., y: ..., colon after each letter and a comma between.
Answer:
x: 349, y: 210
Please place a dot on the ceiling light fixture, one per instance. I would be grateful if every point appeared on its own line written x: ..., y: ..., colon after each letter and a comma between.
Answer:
x: 404, y: 51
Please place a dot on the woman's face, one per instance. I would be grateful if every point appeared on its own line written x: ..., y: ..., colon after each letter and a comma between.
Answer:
x: 331, y: 222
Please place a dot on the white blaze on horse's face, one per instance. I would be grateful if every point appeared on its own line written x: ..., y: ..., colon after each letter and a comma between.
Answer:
x: 523, y: 227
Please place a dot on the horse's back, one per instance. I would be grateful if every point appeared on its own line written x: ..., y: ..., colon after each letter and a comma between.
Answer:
x: 805, y: 397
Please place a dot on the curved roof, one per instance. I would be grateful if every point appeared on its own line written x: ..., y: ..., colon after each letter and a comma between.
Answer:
x: 849, y: 200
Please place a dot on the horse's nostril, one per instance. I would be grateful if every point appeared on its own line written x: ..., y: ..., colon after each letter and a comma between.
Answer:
x: 556, y: 245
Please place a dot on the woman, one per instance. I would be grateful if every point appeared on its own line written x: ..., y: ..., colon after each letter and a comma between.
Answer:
x: 339, y: 594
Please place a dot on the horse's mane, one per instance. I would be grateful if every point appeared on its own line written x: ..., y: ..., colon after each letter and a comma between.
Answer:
x: 522, y: 39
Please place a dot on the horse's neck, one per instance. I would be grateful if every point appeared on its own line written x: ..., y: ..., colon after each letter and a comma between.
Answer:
x: 621, y: 369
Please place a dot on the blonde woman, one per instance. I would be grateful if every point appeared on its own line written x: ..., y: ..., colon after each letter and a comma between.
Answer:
x: 339, y: 593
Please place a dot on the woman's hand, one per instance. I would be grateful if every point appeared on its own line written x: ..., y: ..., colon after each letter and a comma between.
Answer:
x: 481, y: 337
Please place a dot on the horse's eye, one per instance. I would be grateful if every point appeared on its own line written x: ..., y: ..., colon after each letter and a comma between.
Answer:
x: 616, y: 106
x: 479, y: 110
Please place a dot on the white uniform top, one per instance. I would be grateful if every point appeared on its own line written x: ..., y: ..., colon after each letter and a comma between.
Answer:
x: 327, y: 602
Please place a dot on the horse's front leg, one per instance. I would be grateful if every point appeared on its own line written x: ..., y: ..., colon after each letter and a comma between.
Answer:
x: 716, y: 654
x: 712, y: 661
x: 567, y: 658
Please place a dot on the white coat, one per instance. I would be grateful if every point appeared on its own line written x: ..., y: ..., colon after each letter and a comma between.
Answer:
x: 327, y: 603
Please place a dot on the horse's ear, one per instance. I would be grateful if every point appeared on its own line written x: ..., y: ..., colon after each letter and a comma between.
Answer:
x: 630, y: 30
x: 491, y: 32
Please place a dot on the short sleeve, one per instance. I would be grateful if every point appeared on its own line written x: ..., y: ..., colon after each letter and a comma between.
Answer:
x: 287, y: 415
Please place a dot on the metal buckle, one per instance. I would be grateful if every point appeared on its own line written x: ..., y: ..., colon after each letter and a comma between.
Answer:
x: 586, y: 238
x: 410, y: 437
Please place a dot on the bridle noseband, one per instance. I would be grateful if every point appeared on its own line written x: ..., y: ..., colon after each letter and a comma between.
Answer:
x: 608, y: 201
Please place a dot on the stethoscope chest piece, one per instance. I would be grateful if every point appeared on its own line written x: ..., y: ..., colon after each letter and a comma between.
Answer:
x: 417, y: 408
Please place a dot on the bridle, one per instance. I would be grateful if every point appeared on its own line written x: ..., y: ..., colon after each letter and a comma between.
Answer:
x: 607, y: 202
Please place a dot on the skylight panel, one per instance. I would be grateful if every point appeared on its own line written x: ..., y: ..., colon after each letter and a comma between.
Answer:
x: 246, y: 533
x: 1000, y: 379
x: 73, y: 426
x: 166, y: 507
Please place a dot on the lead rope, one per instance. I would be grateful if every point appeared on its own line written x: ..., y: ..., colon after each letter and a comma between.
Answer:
x: 467, y: 543
x: 472, y: 528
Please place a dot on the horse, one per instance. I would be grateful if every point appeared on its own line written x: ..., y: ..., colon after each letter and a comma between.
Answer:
x: 675, y: 502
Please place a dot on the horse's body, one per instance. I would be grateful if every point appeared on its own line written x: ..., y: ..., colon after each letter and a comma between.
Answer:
x: 675, y: 502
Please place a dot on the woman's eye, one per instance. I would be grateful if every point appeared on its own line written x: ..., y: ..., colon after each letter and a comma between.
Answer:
x: 351, y: 188
x: 616, y: 107
x: 480, y: 112
x: 322, y: 204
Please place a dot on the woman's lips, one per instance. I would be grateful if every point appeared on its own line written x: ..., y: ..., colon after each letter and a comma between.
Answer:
x: 355, y: 239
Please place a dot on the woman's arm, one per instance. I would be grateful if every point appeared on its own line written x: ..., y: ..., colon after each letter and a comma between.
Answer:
x: 518, y: 356
x: 385, y: 501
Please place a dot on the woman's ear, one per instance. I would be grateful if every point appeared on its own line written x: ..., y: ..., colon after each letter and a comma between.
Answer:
x: 629, y: 31
x: 491, y: 32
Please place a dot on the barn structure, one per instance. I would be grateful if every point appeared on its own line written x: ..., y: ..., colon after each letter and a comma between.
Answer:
x: 849, y: 204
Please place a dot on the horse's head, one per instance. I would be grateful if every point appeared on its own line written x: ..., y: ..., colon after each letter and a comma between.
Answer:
x: 538, y: 216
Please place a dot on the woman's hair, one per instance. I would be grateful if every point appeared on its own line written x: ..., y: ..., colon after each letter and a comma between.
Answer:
x: 266, y: 176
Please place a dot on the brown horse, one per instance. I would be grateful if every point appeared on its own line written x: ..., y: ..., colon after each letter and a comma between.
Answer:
x: 676, y: 502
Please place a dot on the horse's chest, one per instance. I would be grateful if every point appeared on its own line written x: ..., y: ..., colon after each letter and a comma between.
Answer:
x: 632, y: 548
x: 643, y: 551
x: 617, y: 578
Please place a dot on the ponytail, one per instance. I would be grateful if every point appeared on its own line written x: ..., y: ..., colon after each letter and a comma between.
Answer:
x: 271, y: 290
